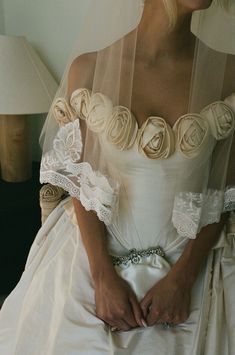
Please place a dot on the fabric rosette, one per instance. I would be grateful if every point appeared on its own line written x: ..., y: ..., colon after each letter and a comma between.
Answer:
x: 51, y: 194
x: 100, y: 109
x: 221, y: 119
x: 156, y: 139
x: 80, y: 101
x: 62, y: 111
x: 50, y: 197
x: 191, y: 131
x: 230, y: 101
x: 121, y: 129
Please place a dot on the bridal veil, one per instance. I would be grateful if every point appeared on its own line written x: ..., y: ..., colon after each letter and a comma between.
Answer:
x: 94, y: 103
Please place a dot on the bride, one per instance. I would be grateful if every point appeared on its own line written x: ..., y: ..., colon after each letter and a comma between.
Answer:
x: 140, y: 257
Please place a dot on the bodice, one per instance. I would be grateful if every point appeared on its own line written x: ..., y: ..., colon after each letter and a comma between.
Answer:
x: 149, y: 184
x: 148, y: 188
x: 153, y: 162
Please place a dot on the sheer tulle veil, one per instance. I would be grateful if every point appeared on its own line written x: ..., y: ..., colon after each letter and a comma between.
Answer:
x: 93, y: 105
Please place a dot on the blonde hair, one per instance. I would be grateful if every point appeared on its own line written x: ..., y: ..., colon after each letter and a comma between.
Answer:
x: 171, y: 9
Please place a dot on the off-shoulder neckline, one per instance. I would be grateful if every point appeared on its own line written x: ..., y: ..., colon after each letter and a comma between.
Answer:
x: 140, y: 126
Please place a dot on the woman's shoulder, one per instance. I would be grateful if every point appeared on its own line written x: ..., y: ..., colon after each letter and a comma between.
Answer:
x: 81, y: 71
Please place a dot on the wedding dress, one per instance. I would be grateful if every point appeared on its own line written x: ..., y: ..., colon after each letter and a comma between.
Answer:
x: 154, y: 186
x: 52, y: 309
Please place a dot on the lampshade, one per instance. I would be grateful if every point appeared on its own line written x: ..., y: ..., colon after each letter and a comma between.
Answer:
x: 26, y: 85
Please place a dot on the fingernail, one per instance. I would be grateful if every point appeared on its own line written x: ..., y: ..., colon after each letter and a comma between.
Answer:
x: 144, y: 323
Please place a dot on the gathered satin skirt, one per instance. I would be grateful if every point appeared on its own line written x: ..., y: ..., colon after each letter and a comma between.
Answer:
x: 52, y: 309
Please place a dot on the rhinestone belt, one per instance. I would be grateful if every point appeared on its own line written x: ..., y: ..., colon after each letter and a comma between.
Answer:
x: 134, y: 256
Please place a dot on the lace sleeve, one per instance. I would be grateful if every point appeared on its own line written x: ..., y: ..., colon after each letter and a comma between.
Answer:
x: 193, y: 210
x: 64, y: 164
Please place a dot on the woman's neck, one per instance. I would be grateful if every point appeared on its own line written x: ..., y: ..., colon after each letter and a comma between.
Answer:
x: 157, y: 39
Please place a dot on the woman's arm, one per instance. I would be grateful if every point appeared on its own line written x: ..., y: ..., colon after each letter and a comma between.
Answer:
x: 187, y: 268
x: 116, y: 303
x: 169, y: 300
x: 94, y: 239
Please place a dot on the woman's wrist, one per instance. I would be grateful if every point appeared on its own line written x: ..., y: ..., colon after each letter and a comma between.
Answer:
x: 183, y: 277
x: 103, y: 268
x: 186, y: 269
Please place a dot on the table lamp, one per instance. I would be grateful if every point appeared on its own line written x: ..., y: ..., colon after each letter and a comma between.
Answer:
x: 26, y: 88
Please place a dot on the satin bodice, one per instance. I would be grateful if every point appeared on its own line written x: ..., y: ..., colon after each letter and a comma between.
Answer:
x: 147, y: 192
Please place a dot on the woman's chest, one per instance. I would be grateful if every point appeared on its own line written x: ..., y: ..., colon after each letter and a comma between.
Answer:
x: 162, y: 91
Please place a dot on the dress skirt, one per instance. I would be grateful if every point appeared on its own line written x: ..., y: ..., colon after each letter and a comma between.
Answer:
x: 52, y: 309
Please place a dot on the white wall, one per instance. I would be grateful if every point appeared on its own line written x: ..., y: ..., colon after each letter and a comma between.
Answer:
x: 51, y: 26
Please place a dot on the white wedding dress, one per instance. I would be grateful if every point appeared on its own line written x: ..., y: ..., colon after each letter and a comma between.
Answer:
x: 52, y: 309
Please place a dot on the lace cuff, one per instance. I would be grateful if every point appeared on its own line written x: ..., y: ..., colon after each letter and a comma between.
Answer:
x: 59, y: 167
x: 92, y: 189
x: 192, y: 211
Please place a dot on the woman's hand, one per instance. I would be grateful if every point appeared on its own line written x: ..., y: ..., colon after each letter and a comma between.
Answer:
x: 167, y: 302
x: 116, y: 303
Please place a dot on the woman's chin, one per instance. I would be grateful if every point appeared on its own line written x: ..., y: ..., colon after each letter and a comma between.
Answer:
x: 195, y: 5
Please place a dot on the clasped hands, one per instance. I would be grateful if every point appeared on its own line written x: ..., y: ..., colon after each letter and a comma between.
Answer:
x: 168, y: 301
